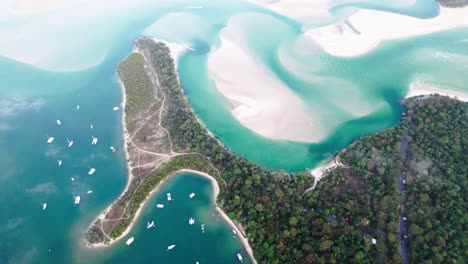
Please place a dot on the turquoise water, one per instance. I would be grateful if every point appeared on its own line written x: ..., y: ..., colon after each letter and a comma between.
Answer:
x: 50, y: 62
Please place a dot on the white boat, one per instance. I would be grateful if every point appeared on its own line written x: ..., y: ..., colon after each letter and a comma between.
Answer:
x: 77, y: 199
x: 203, y: 228
x: 91, y: 126
x: 239, y: 257
x: 129, y: 241
x: 115, y: 108
x: 94, y: 141
x: 160, y: 205
x: 192, y: 195
x: 50, y: 139
x: 59, y: 162
x: 44, y: 206
x: 234, y: 232
x: 70, y: 143
x: 89, y: 191
x: 149, y: 225
x: 404, y: 218
x: 112, y: 148
x: 73, y: 179
x: 59, y: 123
x: 77, y: 107
x: 191, y: 221
x: 169, y: 197
x: 374, y: 241
x: 91, y: 171
x: 170, y: 247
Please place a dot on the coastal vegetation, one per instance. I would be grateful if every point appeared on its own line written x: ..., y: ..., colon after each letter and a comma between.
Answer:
x: 352, y: 216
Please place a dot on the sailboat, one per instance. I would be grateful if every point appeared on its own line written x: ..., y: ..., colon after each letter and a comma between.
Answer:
x: 77, y: 199
x: 50, y: 139
x: 191, y: 221
x: 91, y: 171
x: 170, y: 247
x: 149, y: 225
x: 70, y: 143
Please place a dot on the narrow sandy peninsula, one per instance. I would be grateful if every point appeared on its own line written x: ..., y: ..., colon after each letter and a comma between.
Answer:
x: 155, y: 109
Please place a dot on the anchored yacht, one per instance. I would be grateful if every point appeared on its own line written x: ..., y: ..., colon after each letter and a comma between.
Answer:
x: 192, y: 195
x: 170, y: 247
x: 70, y: 143
x: 95, y: 140
x: 169, y: 197
x: 115, y: 108
x: 50, y: 139
x: 59, y: 162
x: 44, y: 206
x: 91, y: 171
x: 149, y: 225
x: 129, y: 241
x: 239, y: 257
x: 59, y: 123
x: 191, y: 221
x: 77, y: 199
x: 160, y: 205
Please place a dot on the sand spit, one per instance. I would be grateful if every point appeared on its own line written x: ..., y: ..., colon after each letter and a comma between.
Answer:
x: 421, y: 88
x: 364, y: 30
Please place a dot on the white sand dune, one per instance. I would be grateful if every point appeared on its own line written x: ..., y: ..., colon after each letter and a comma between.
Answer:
x: 375, y: 26
x: 424, y: 88
x: 261, y: 102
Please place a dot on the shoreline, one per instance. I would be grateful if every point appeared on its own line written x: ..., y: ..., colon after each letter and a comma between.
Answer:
x: 420, y: 88
x: 365, y: 30
x: 176, y: 50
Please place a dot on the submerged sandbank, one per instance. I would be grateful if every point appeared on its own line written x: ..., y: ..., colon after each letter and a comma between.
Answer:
x: 364, y: 30
x: 260, y: 101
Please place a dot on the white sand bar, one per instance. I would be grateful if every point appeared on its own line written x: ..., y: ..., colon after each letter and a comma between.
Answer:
x: 261, y: 102
x: 375, y: 26
x: 422, y: 88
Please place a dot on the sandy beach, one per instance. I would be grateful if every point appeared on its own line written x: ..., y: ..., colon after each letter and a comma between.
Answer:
x: 371, y: 27
x: 421, y: 88
x: 260, y: 101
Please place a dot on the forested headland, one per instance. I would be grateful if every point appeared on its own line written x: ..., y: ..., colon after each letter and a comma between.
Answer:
x: 353, y: 214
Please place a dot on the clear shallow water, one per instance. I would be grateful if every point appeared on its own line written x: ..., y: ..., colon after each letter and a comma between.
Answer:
x: 69, y: 59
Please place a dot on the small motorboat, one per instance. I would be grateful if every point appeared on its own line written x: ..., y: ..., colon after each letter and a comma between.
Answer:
x: 44, y: 206
x: 77, y: 199
x: 170, y: 247
x: 77, y: 107
x: 112, y: 149
x: 91, y: 126
x: 91, y: 171
x: 59, y: 162
x: 129, y: 241
x: 50, y: 139
x: 234, y: 232
x: 72, y: 179
x: 160, y: 205
x: 59, y: 123
x: 192, y: 195
x: 89, y: 191
x: 169, y: 197
x: 116, y: 108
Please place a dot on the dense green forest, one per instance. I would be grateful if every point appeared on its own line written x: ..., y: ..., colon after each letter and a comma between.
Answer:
x: 354, y: 204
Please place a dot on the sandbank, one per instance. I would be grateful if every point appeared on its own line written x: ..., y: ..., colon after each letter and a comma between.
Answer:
x: 364, y: 30
x: 259, y: 100
x: 31, y: 6
x: 421, y: 88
